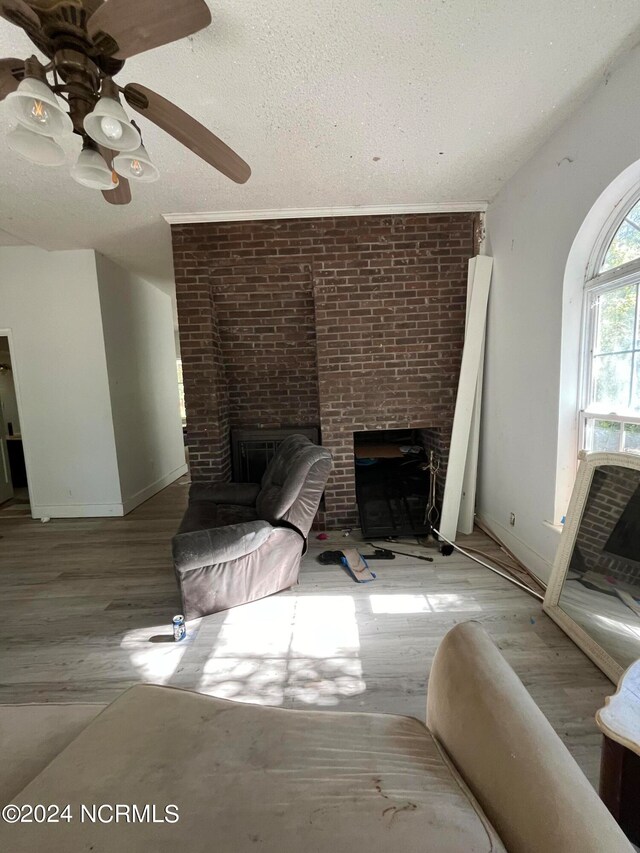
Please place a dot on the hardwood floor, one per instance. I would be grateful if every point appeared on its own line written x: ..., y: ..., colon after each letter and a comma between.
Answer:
x: 87, y: 608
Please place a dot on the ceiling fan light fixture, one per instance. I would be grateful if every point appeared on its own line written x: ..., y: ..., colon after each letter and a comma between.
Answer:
x: 38, y: 109
x: 136, y: 166
x: 35, y: 147
x: 109, y: 125
x: 92, y: 171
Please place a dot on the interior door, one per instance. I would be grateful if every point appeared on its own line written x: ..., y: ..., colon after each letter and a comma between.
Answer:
x: 6, y: 486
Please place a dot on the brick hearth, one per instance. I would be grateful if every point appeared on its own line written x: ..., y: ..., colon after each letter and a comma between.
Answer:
x: 349, y: 323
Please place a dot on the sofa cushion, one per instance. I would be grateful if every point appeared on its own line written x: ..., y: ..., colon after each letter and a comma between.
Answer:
x: 293, y: 483
x: 240, y: 494
x: 206, y: 515
x: 248, y: 778
x: 198, y: 548
x: 212, y: 579
x: 32, y: 735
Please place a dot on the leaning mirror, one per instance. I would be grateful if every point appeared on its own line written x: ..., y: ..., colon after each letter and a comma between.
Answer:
x: 594, y: 591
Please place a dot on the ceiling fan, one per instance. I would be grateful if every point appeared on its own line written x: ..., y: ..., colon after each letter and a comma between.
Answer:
x: 87, y: 43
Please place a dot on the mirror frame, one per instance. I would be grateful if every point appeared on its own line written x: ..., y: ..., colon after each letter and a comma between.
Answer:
x: 588, y: 464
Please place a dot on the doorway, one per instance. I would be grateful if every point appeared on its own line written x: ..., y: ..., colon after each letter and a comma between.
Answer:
x: 14, y: 490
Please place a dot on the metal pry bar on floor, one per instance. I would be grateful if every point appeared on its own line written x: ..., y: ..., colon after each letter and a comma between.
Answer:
x: 404, y: 553
x: 491, y: 568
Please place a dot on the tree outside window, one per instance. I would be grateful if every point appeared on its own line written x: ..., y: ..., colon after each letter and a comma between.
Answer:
x: 610, y: 412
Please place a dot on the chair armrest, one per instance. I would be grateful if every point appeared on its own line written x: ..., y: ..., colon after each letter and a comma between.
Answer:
x: 218, y: 545
x: 239, y: 494
x: 528, y: 785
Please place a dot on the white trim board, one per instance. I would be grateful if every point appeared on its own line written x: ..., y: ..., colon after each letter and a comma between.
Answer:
x: 317, y: 212
x: 468, y: 499
x: 465, y: 400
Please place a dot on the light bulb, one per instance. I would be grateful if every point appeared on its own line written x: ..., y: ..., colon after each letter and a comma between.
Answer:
x: 111, y: 128
x: 39, y: 113
x: 38, y: 109
x: 136, y: 165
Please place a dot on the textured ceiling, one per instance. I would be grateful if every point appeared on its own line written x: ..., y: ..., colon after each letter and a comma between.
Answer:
x: 333, y: 103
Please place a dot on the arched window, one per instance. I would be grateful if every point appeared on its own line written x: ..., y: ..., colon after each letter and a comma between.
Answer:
x: 610, y: 408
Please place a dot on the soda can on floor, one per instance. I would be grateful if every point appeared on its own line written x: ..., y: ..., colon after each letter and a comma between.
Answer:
x: 179, y: 628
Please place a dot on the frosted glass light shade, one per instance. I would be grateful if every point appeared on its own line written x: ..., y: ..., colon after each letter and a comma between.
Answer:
x: 136, y: 166
x: 35, y: 147
x: 109, y: 126
x: 37, y: 108
x: 92, y: 171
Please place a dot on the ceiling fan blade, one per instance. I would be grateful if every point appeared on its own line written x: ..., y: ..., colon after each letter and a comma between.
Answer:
x: 122, y: 193
x: 8, y: 80
x: 124, y: 28
x: 91, y: 6
x: 188, y: 131
x: 19, y: 14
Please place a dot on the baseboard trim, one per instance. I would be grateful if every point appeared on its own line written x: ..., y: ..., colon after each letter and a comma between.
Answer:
x: 316, y: 212
x: 536, y: 563
x: 77, y: 511
x: 153, y: 489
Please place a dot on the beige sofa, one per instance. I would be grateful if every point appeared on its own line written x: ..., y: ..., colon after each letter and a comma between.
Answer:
x: 489, y: 774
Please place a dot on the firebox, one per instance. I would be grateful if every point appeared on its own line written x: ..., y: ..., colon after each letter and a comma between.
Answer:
x: 392, y: 482
x: 253, y: 449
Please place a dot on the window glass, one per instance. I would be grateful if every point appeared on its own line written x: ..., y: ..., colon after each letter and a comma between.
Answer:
x: 605, y: 437
x: 615, y: 357
x: 183, y: 410
x: 610, y: 401
x: 616, y: 318
x: 632, y: 438
x: 625, y: 246
x: 611, y: 382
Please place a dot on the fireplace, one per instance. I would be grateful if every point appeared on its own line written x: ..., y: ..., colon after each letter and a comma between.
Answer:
x: 393, y: 479
x: 253, y: 449
x: 348, y: 324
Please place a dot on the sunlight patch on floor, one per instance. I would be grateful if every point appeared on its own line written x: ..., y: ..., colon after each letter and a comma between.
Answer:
x: 293, y: 647
x: 154, y: 653
x: 423, y: 603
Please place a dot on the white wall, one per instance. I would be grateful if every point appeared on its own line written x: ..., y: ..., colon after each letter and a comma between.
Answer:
x: 8, y: 399
x: 49, y: 304
x: 528, y: 450
x: 137, y: 320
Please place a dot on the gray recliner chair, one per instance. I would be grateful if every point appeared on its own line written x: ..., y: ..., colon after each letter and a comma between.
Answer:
x: 242, y: 541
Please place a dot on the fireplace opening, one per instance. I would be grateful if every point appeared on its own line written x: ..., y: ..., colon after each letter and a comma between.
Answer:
x: 392, y: 480
x: 253, y: 449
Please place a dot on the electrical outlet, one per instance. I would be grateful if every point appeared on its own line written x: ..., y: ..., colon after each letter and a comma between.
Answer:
x: 512, y: 519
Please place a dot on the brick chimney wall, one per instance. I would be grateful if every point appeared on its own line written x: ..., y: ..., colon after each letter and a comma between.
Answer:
x: 349, y: 323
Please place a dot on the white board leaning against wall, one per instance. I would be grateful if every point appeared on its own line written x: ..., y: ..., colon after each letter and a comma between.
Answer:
x: 460, y: 486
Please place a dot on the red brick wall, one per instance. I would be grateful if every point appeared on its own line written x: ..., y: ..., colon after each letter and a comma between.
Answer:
x: 265, y: 316
x: 355, y: 323
x: 203, y: 375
